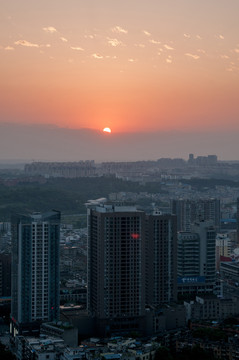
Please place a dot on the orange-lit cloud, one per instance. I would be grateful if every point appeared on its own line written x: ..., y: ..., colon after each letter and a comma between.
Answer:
x: 147, y: 33
x: 114, y: 42
x: 77, y: 48
x: 119, y: 30
x: 168, y: 47
x: 26, y: 43
x: 50, y: 29
x: 194, y: 56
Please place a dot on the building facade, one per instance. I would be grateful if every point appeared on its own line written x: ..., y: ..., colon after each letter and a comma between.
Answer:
x: 161, y: 259
x: 116, y: 266
x: 122, y: 274
x: 237, y: 222
x: 223, y: 248
x: 5, y: 275
x: 35, y: 270
x: 190, y: 211
x: 197, y: 260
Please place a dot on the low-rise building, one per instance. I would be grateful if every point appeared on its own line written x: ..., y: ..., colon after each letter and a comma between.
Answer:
x: 29, y: 348
x: 211, y: 307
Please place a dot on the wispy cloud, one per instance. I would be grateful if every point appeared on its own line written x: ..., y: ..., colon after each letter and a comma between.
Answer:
x: 224, y: 57
x: 160, y: 51
x: 132, y: 60
x: 169, y: 59
x: 119, y: 30
x: 49, y: 29
x: 9, y: 48
x: 140, y: 45
x: 147, y: 33
x: 236, y: 50
x: 168, y: 47
x: 114, y: 42
x: 77, y: 48
x: 152, y: 41
x: 111, y: 57
x: 201, y: 51
x: 97, y: 56
x: 89, y: 36
x: 26, y: 43
x: 221, y: 37
x: 193, y: 56
x: 63, y: 39
x: 187, y: 36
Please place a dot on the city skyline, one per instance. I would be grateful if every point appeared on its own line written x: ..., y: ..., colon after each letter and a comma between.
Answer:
x: 131, y: 66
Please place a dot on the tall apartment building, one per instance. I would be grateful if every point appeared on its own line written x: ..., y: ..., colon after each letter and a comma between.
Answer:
x: 190, y: 211
x: 197, y: 259
x: 122, y: 275
x: 35, y: 270
x: 161, y: 259
x: 238, y: 220
x: 188, y: 254
x: 223, y: 248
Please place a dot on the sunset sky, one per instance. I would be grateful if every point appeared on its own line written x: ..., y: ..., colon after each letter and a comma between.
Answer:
x: 131, y: 65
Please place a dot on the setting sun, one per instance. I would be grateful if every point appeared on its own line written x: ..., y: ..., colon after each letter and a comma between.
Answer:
x: 107, y: 130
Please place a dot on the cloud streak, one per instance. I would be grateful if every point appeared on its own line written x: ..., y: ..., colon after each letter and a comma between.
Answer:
x: 114, y: 42
x: 193, y: 56
x: 152, y: 41
x: 168, y: 47
x: 77, y: 48
x: 26, y: 43
x: 119, y: 30
x: 9, y: 48
x: 97, y: 56
x: 50, y: 29
x: 147, y: 33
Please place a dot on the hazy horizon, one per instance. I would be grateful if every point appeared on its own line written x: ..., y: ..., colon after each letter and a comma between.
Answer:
x: 163, y: 75
x: 31, y: 142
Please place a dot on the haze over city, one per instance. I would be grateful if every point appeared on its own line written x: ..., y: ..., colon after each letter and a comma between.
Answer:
x: 162, y: 75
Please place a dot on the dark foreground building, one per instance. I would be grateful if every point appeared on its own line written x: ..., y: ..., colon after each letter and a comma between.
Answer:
x: 131, y: 265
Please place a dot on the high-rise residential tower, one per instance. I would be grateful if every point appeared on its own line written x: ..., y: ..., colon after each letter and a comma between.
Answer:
x: 161, y: 259
x: 237, y: 216
x: 35, y: 270
x: 189, y: 211
x: 197, y: 259
x: 131, y: 264
x: 116, y: 266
